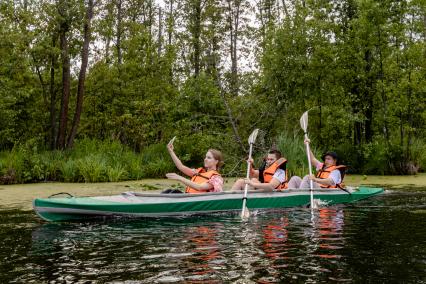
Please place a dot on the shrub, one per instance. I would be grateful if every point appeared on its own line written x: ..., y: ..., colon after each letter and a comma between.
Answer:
x: 156, y: 161
x: 294, y: 150
x: 92, y: 168
x: 69, y: 171
x: 116, y: 173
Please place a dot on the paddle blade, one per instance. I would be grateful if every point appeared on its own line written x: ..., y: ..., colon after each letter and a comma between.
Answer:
x: 245, y: 214
x: 253, y: 136
x: 304, y: 121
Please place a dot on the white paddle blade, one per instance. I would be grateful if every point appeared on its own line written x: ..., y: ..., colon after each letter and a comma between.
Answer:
x: 304, y: 121
x: 245, y: 213
x: 253, y: 136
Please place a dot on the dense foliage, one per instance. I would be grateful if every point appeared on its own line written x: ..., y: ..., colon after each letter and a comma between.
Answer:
x: 209, y: 72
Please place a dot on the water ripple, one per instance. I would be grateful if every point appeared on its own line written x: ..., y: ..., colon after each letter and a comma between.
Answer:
x: 376, y: 240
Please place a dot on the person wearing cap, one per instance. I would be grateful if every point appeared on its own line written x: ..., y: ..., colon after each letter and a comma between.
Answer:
x: 329, y: 173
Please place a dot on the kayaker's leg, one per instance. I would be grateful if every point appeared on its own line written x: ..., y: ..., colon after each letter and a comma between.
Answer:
x: 240, y: 185
x: 294, y: 182
x: 306, y: 184
x: 171, y: 190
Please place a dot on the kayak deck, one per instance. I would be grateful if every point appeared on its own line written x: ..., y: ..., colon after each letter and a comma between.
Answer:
x: 158, y: 205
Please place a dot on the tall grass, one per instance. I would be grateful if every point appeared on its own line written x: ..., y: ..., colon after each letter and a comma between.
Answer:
x: 294, y: 150
x: 89, y: 161
x: 100, y: 161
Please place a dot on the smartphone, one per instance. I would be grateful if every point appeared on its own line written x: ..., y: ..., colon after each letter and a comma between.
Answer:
x: 173, y: 140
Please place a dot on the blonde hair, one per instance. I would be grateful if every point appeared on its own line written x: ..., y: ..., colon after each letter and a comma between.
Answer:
x: 217, y: 155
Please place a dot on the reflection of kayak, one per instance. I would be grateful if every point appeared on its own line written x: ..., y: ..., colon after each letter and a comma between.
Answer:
x: 156, y: 205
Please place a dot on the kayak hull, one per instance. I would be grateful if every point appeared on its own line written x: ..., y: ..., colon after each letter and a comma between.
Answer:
x: 159, y: 205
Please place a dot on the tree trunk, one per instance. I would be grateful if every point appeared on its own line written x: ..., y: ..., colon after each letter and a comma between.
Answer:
x: 320, y: 107
x: 401, y: 130
x: 356, y: 110
x: 285, y: 9
x: 110, y: 16
x: 160, y: 30
x: 170, y: 23
x: 409, y: 118
x: 119, y: 31
x: 82, y: 75
x: 368, y: 97
x: 52, y: 92
x: 232, y: 121
x: 196, y: 37
x: 66, y: 74
x: 383, y: 94
x: 234, y: 7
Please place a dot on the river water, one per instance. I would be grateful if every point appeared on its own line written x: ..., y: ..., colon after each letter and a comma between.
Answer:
x: 381, y: 239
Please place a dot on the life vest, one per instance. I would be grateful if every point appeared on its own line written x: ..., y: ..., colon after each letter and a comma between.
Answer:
x: 201, y: 176
x: 270, y: 171
x: 324, y: 173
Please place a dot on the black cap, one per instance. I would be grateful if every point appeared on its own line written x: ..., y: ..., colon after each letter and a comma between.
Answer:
x: 332, y: 154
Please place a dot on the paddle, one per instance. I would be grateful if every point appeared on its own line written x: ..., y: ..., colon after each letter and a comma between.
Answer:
x: 245, y: 213
x: 304, y: 125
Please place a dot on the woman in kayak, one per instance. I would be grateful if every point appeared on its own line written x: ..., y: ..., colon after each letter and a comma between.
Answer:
x: 205, y: 179
x: 329, y: 173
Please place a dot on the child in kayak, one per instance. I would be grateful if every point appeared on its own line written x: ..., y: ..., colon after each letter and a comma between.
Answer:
x: 271, y: 176
x: 329, y: 173
x: 204, y: 179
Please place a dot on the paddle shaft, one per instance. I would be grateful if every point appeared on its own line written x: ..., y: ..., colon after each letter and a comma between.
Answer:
x: 308, y: 151
x: 247, y: 176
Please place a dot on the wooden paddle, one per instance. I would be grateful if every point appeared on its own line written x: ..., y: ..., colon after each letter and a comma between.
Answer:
x: 304, y: 126
x: 245, y: 213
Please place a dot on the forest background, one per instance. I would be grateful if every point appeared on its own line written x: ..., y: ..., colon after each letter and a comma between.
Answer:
x: 93, y: 90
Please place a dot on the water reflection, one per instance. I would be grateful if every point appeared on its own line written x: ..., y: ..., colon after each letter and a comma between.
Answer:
x: 271, y: 247
x: 378, y: 240
x: 202, y: 242
x: 329, y: 228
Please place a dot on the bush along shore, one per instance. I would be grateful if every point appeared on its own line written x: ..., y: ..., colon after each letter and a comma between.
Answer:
x: 110, y: 161
x: 88, y: 161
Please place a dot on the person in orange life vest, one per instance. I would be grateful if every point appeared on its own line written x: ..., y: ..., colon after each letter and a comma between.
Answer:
x: 205, y: 179
x: 329, y: 173
x: 271, y: 177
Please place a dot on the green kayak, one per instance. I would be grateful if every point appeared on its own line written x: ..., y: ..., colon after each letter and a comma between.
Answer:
x: 134, y: 204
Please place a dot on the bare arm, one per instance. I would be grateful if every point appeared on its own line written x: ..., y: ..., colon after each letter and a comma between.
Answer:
x: 253, y: 173
x: 314, y: 160
x: 184, y: 169
x: 201, y: 187
x: 324, y: 181
x: 270, y: 186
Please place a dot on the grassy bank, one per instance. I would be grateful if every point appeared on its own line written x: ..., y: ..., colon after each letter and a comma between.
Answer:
x: 21, y: 195
x: 89, y: 161
x: 92, y: 160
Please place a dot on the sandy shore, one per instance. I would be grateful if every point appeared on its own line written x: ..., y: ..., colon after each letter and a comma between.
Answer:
x: 20, y: 196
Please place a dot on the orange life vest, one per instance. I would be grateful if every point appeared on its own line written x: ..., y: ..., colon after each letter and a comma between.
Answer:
x: 270, y: 171
x: 201, y: 176
x: 324, y: 173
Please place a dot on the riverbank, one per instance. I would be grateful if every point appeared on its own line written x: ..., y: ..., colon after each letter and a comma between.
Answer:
x: 20, y: 196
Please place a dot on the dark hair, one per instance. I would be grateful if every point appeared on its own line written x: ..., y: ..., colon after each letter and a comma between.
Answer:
x: 276, y: 153
x: 331, y: 154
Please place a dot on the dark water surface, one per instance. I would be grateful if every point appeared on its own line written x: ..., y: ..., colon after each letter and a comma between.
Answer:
x: 382, y: 239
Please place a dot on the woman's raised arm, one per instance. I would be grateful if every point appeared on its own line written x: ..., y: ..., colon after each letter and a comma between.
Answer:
x: 184, y: 169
